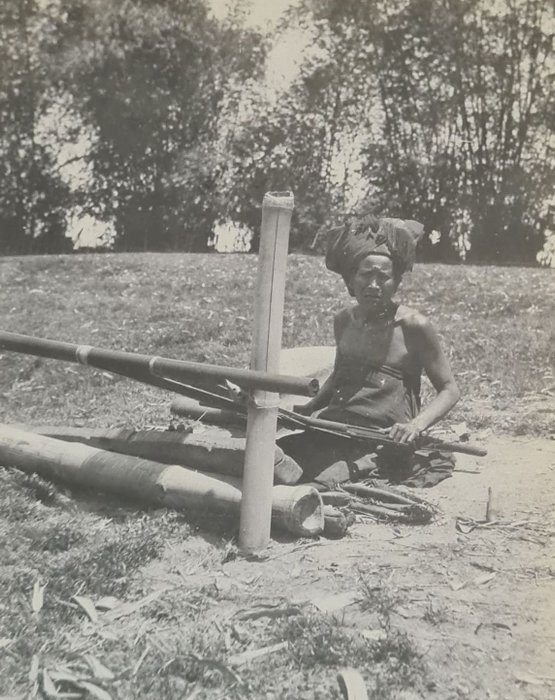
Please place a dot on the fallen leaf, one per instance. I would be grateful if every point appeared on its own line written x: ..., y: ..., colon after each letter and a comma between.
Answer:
x: 108, y: 602
x: 98, y: 669
x: 139, y: 663
x: 218, y: 666
x: 130, y: 608
x: 456, y: 585
x: 48, y: 686
x: 95, y: 690
x: 251, y: 654
x: 63, y: 674
x: 88, y: 606
x: 37, y: 601
x: 5, y: 642
x: 34, y: 669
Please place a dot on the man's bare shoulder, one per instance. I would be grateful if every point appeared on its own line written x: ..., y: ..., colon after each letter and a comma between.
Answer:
x: 343, y: 316
x: 413, y: 320
x: 341, y: 321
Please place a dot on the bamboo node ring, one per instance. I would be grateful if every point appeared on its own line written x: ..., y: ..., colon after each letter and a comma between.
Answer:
x: 82, y: 353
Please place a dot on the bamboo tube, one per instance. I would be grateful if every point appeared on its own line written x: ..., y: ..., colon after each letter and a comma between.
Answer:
x: 189, y: 408
x: 213, y: 452
x: 254, y: 528
x: 136, y: 366
x: 297, y: 509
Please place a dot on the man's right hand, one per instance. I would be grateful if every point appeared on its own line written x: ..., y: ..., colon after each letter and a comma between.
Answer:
x: 305, y: 409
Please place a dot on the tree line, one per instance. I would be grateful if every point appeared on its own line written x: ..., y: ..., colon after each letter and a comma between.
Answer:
x: 438, y: 110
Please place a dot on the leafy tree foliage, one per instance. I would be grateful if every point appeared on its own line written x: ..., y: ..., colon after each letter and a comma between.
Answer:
x: 33, y: 195
x: 433, y: 109
x: 152, y: 78
x: 463, y: 133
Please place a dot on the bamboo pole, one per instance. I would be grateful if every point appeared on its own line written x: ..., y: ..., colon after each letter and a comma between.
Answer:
x: 163, y: 371
x: 298, y: 509
x: 256, y: 506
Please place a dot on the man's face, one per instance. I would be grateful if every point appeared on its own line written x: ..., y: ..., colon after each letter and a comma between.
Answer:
x: 374, y: 282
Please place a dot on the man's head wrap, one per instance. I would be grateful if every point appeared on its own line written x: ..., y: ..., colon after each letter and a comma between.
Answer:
x: 348, y: 245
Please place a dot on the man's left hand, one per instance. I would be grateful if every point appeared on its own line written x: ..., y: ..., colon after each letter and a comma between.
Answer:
x: 405, y: 432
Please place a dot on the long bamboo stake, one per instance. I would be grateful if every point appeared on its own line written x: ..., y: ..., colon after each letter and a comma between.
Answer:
x: 137, y: 366
x: 256, y: 506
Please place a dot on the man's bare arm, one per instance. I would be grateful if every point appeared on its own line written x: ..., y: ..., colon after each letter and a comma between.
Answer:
x: 436, y: 366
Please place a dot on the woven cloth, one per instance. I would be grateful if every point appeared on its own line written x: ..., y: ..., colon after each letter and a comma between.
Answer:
x: 352, y: 242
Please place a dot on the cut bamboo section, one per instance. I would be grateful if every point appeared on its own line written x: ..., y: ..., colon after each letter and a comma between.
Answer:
x: 254, y: 525
x: 211, y: 451
x: 141, y: 367
x: 297, y: 509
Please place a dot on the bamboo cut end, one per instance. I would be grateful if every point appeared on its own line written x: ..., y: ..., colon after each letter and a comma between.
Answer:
x: 298, y: 509
x: 279, y: 200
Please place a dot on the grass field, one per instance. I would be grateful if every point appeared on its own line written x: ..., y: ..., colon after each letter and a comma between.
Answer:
x: 186, y: 641
x: 497, y: 325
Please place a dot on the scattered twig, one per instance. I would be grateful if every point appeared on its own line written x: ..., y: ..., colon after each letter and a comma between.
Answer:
x: 489, y: 509
x: 139, y: 663
x: 272, y: 611
x: 297, y: 548
x: 499, y: 625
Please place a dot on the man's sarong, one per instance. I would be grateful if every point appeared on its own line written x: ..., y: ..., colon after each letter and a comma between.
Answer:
x: 331, y: 459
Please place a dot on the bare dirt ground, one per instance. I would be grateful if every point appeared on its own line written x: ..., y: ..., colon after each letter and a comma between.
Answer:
x: 478, y: 601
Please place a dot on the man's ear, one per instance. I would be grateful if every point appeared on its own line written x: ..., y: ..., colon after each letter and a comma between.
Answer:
x: 349, y: 284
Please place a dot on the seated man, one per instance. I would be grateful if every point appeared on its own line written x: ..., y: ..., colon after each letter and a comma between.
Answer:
x: 381, y: 350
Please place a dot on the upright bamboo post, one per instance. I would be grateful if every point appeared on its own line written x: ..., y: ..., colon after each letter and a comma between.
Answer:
x: 256, y: 504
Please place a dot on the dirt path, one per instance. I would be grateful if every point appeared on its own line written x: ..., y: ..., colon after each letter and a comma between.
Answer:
x: 480, y: 603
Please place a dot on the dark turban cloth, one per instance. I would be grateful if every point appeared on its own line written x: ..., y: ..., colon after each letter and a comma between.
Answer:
x: 348, y: 245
